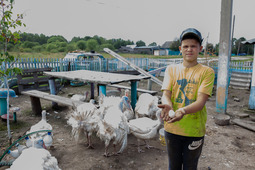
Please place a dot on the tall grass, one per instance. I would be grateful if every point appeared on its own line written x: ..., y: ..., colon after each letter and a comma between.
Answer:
x: 106, y: 55
x: 37, y: 55
x: 62, y: 55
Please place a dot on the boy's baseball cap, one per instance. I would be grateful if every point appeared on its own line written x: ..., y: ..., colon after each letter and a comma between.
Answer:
x: 192, y: 32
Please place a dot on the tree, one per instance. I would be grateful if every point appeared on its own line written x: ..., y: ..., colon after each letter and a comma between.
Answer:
x: 140, y: 43
x: 56, y: 38
x: 81, y: 44
x: 238, y: 46
x: 100, y: 40
x: 70, y: 47
x: 75, y: 39
x: 210, y: 49
x: 110, y: 46
x: 117, y: 43
x: 153, y: 44
x: 51, y: 46
x: 92, y: 45
x: 174, y: 46
x: 7, y: 24
x: 41, y: 39
x: 86, y: 38
x: 29, y: 44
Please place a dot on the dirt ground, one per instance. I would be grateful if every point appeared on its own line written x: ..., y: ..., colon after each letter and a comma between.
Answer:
x: 226, y: 147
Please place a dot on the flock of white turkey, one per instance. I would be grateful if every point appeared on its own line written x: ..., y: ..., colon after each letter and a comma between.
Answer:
x: 35, y: 154
x: 112, y: 119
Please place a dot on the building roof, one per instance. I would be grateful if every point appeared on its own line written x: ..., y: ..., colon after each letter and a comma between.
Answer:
x: 148, y: 47
x: 251, y: 41
x: 123, y: 48
x: 131, y: 46
x: 167, y: 44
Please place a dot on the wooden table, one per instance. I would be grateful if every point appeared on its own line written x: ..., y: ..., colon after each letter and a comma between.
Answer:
x: 102, y: 78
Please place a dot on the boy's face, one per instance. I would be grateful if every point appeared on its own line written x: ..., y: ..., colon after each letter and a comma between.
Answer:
x: 190, y: 49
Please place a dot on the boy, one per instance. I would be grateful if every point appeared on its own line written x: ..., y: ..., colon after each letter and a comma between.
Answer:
x: 186, y: 88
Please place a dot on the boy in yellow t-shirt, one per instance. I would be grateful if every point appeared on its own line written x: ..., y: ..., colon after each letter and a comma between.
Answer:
x: 186, y: 88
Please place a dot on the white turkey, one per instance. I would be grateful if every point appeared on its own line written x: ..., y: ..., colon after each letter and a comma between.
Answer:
x: 122, y: 102
x: 80, y: 97
x: 37, y: 142
x: 113, y: 92
x: 146, y: 106
x: 84, y: 119
x: 126, y: 107
x: 113, y: 128
x: 41, y: 125
x: 34, y: 158
x: 145, y: 128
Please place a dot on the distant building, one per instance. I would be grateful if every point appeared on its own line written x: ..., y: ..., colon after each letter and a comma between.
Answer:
x: 161, y: 52
x: 131, y: 46
x: 125, y: 49
x: 165, y: 49
x: 146, y: 49
x: 166, y: 45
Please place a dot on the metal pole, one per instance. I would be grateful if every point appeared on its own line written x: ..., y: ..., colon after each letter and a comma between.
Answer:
x: 159, y: 82
x: 252, y: 93
x: 224, y: 55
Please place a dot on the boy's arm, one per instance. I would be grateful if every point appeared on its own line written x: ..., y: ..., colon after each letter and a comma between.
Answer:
x: 197, y: 105
x: 166, y: 98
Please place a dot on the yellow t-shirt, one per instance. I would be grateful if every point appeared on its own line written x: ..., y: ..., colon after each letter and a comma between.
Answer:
x: 185, y: 83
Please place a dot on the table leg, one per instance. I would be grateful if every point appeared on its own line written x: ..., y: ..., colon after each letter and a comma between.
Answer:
x: 53, y: 91
x: 133, y: 93
x: 92, y: 90
x: 36, y: 105
x: 102, y: 89
x: 15, y: 117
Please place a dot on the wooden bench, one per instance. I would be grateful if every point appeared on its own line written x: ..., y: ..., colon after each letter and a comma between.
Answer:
x: 138, y: 90
x: 35, y: 96
x: 33, y: 79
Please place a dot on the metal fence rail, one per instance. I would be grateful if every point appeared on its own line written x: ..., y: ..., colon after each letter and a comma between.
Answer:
x: 108, y: 65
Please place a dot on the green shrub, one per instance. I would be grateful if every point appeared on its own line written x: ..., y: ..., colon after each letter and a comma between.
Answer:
x: 61, y: 49
x: 51, y: 46
x: 54, y: 51
x: 37, y: 48
x: 27, y: 50
x: 81, y: 45
x: 70, y: 47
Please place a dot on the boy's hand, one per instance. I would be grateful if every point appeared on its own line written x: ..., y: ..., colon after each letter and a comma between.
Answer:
x: 165, y: 113
x: 178, y: 115
x: 165, y: 110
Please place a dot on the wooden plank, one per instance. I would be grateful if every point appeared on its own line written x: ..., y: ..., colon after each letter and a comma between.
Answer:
x: 129, y: 88
x: 133, y: 66
x: 36, y: 70
x: 51, y: 97
x: 244, y: 124
x: 157, y: 71
x: 96, y: 77
x: 32, y: 80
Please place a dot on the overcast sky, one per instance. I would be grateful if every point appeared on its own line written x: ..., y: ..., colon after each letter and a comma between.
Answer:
x: 147, y: 20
